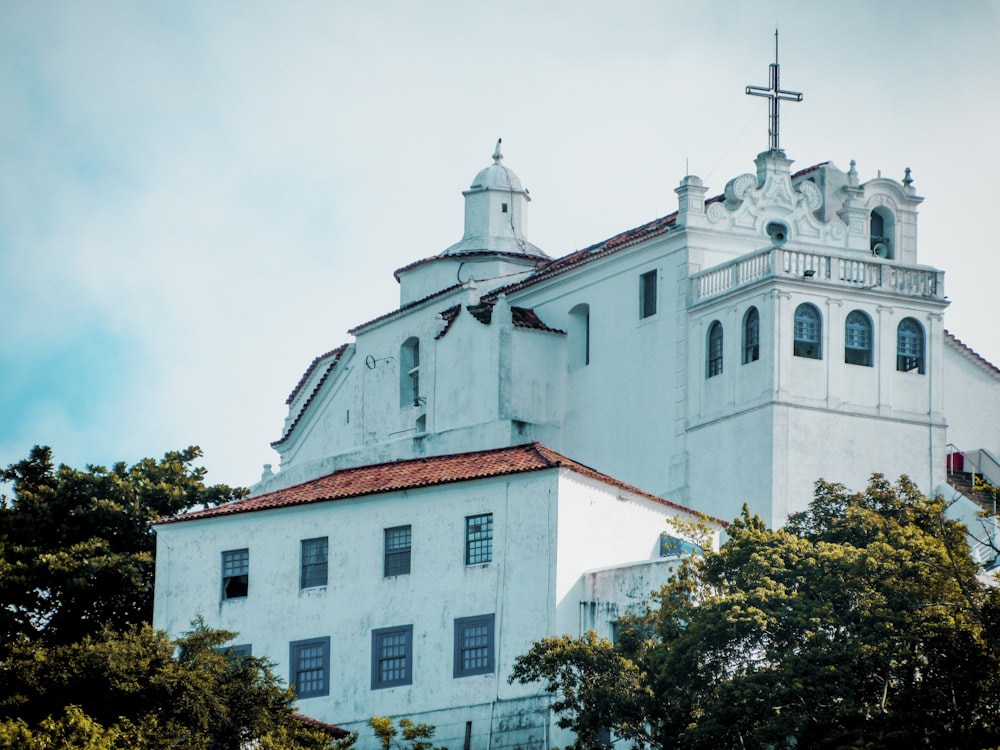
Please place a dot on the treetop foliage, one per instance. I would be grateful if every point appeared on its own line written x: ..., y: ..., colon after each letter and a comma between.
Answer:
x: 76, y: 551
x: 861, y: 623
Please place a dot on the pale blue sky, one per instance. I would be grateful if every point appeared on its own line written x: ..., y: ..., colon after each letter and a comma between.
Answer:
x: 198, y: 198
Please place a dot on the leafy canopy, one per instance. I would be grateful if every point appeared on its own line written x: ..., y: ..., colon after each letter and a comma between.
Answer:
x: 139, y: 689
x: 76, y: 551
x: 860, y: 624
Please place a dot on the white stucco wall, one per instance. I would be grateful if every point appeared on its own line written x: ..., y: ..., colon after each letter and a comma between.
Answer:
x: 971, y: 403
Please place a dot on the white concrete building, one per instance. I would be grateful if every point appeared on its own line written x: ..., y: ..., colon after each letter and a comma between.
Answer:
x: 409, y: 588
x: 732, y: 352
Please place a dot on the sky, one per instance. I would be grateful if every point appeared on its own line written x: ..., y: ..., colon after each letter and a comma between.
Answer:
x: 198, y: 198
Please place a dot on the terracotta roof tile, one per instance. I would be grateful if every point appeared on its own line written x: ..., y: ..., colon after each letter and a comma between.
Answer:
x: 405, y: 308
x: 524, y: 317
x: 414, y: 473
x: 309, y: 721
x: 470, y: 254
x: 448, y: 316
x: 589, y: 254
x: 334, y: 356
x: 971, y: 354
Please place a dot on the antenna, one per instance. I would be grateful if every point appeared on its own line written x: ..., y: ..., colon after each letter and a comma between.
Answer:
x: 776, y: 95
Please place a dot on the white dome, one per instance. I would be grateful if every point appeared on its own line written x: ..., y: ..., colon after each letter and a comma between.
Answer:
x: 496, y: 175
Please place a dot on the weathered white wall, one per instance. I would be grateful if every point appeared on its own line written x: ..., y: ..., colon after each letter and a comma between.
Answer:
x: 971, y: 403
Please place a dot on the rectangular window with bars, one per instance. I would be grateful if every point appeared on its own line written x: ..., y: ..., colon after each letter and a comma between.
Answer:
x: 314, y: 562
x: 235, y: 573
x: 392, y: 657
x: 473, y: 645
x: 478, y: 539
x: 398, y: 542
x: 310, y: 667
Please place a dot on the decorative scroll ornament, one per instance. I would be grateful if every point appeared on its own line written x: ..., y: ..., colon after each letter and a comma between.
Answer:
x: 716, y: 213
x: 810, y: 191
x: 738, y: 188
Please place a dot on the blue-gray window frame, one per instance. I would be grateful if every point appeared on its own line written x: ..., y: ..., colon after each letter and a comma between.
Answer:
x: 314, y: 569
x: 713, y: 363
x: 478, y: 543
x: 396, y: 559
x: 807, y: 332
x: 236, y: 573
x: 647, y: 294
x: 751, y: 335
x: 911, y: 346
x: 462, y: 627
x: 859, y: 339
x: 295, y: 652
x: 379, y: 637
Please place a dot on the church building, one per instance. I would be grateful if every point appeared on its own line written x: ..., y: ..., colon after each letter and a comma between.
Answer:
x: 506, y: 454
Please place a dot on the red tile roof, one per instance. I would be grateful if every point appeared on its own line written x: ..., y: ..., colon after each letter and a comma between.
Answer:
x: 309, y: 721
x: 448, y: 316
x: 471, y: 254
x: 334, y: 356
x: 969, y: 353
x: 413, y: 473
x: 405, y: 308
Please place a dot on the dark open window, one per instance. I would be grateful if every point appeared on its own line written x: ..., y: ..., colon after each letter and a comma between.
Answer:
x: 714, y: 349
x: 858, y: 339
x: 910, y: 346
x: 647, y: 294
x: 808, y: 332
x: 235, y: 573
x: 751, y: 336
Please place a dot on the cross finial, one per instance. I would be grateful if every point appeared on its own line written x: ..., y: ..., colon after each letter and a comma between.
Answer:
x: 775, y: 94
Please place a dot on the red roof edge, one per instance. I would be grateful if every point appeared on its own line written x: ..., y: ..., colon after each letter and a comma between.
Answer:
x: 971, y: 353
x: 413, y: 473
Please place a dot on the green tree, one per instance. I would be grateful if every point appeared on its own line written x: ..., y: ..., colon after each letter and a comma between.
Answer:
x: 141, y: 690
x: 76, y: 552
x: 414, y: 736
x: 860, y: 624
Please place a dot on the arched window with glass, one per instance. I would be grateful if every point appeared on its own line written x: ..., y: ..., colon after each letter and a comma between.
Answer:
x: 858, y: 339
x: 751, y: 336
x: 910, y: 346
x: 808, y: 332
x: 714, y: 349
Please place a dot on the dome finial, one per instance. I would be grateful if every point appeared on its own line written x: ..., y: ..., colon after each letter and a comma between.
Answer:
x: 497, y: 156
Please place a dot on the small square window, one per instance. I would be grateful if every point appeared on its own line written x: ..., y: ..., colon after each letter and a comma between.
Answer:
x: 397, y: 551
x: 392, y: 657
x: 310, y: 667
x: 478, y: 539
x: 473, y: 645
x: 235, y: 573
x: 241, y: 651
x: 314, y: 562
x: 647, y: 294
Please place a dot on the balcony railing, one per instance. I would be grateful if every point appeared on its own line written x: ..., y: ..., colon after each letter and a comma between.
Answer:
x: 849, y: 272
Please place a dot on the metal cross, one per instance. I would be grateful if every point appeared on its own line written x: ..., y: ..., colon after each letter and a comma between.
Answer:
x: 776, y: 94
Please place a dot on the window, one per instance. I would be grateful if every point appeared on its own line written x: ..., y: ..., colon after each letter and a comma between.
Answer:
x: 647, y: 294
x: 235, y: 573
x: 808, y: 332
x: 310, y: 667
x: 409, y: 372
x: 392, y: 657
x: 314, y: 562
x: 880, y: 230
x: 478, y: 539
x: 241, y: 651
x: 714, y: 349
x: 858, y: 339
x: 579, y: 335
x: 397, y: 551
x: 751, y: 336
x: 910, y: 346
x: 474, y: 645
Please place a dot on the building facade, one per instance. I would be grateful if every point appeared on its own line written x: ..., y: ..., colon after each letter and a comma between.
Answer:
x: 566, y: 409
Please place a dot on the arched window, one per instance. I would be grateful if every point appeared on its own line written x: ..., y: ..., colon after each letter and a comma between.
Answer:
x: 714, y: 349
x: 751, y: 336
x: 880, y: 226
x: 910, y: 346
x: 808, y: 332
x: 409, y: 372
x: 858, y: 339
x: 579, y: 335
